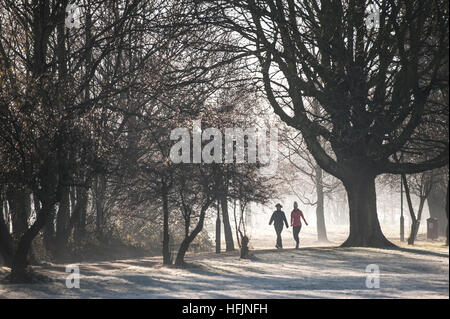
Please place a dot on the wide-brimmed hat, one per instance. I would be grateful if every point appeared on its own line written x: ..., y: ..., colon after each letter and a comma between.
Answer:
x: 278, y: 204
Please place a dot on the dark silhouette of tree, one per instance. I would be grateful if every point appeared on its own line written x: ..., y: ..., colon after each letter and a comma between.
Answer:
x: 373, y: 82
x: 61, y: 112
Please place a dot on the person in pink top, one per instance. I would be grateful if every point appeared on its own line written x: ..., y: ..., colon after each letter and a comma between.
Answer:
x: 296, y: 223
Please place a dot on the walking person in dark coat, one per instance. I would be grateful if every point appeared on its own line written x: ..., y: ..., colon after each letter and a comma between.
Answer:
x: 278, y: 218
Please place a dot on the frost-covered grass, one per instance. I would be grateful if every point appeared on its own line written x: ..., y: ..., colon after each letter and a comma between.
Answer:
x: 317, y: 270
x: 311, y: 272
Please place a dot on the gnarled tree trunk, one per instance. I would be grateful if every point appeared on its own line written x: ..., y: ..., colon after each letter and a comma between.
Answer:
x: 179, y: 261
x: 365, y: 230
x: 20, y: 260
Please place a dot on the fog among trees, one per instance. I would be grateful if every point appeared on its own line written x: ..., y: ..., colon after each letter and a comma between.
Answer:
x: 352, y: 115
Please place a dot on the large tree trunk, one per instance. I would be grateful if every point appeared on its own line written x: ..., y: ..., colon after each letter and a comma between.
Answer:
x: 320, y: 213
x: 48, y: 196
x: 20, y: 209
x: 365, y: 230
x: 229, y: 243
x: 20, y: 260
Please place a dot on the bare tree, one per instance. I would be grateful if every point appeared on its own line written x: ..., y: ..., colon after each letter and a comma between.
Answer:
x: 421, y: 186
x: 59, y: 91
x: 373, y: 84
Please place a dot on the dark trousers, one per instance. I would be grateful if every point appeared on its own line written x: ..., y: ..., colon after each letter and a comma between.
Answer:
x: 278, y: 230
x: 295, y: 231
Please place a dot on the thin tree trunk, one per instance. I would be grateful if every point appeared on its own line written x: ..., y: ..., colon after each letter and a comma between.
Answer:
x: 49, y: 231
x: 6, y: 240
x: 226, y: 221
x: 73, y: 199
x: 79, y: 213
x: 7, y: 215
x: 437, y: 207
x: 415, y: 221
x: 365, y: 230
x: 218, y: 229
x: 179, y: 261
x: 446, y: 210
x: 81, y: 192
x: 236, y: 223
x: 62, y: 224
x: 100, y: 191
x: 320, y: 214
x: 167, y: 258
x: 416, y: 224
